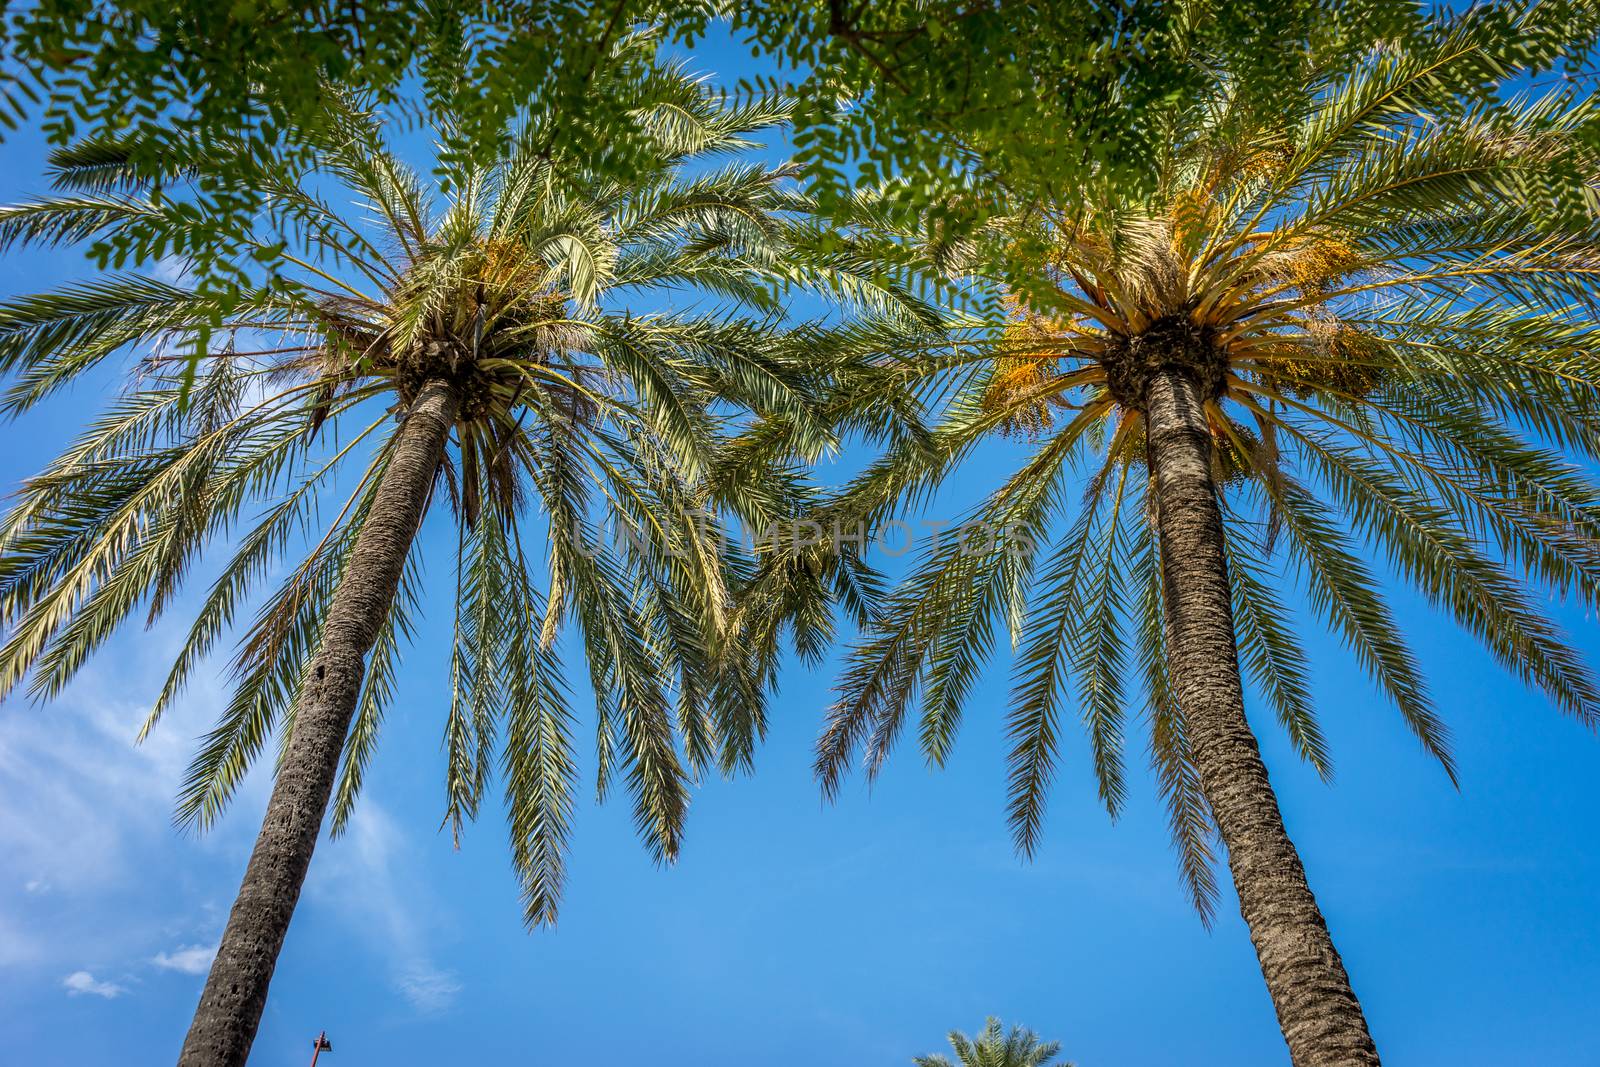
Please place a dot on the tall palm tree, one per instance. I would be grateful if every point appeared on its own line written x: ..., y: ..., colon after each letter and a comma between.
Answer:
x: 1018, y: 1047
x: 496, y: 346
x: 1370, y: 322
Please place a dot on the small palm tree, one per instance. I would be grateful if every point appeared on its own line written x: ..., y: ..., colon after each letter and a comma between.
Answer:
x: 480, y: 348
x: 1365, y: 322
x: 993, y: 1048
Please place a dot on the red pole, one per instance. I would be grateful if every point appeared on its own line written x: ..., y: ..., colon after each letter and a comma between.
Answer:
x: 319, y: 1046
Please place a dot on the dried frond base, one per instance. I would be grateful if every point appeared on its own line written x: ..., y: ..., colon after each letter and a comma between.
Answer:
x: 1172, y: 341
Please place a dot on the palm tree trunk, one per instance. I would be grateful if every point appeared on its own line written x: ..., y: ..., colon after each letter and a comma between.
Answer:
x: 236, y: 990
x: 1317, y: 1010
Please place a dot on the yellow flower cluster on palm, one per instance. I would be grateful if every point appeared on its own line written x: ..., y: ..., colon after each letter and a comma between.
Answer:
x: 1252, y: 314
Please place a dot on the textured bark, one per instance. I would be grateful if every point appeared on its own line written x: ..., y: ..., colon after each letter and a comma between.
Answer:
x: 236, y: 990
x: 1317, y: 1010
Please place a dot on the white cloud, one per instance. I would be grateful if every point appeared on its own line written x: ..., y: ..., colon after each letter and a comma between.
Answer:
x: 87, y: 819
x: 81, y: 983
x: 429, y: 990
x: 188, y: 959
x: 19, y: 944
x: 366, y: 873
x: 82, y: 797
x: 174, y: 270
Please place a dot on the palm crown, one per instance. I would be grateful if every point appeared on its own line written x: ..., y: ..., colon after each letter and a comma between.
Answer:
x: 575, y: 420
x: 1386, y: 305
x: 992, y: 1047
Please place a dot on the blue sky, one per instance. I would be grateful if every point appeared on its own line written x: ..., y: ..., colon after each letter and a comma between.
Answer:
x: 792, y: 932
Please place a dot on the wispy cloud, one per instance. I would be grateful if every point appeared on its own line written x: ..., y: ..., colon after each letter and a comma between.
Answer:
x: 429, y: 991
x: 82, y: 983
x: 19, y: 944
x: 174, y: 270
x: 88, y: 811
x: 81, y: 796
x: 366, y: 873
x: 187, y: 959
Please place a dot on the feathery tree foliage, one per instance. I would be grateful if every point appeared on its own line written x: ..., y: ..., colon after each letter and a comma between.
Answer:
x: 485, y: 348
x: 1031, y: 98
x: 259, y: 76
x: 972, y: 106
x: 992, y: 1047
x: 1368, y: 323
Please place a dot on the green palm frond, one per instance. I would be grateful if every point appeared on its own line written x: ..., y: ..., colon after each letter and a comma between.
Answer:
x: 995, y: 1047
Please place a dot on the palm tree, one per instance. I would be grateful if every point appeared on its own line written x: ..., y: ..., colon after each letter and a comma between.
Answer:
x: 479, y: 345
x: 992, y: 1048
x: 1373, y: 321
